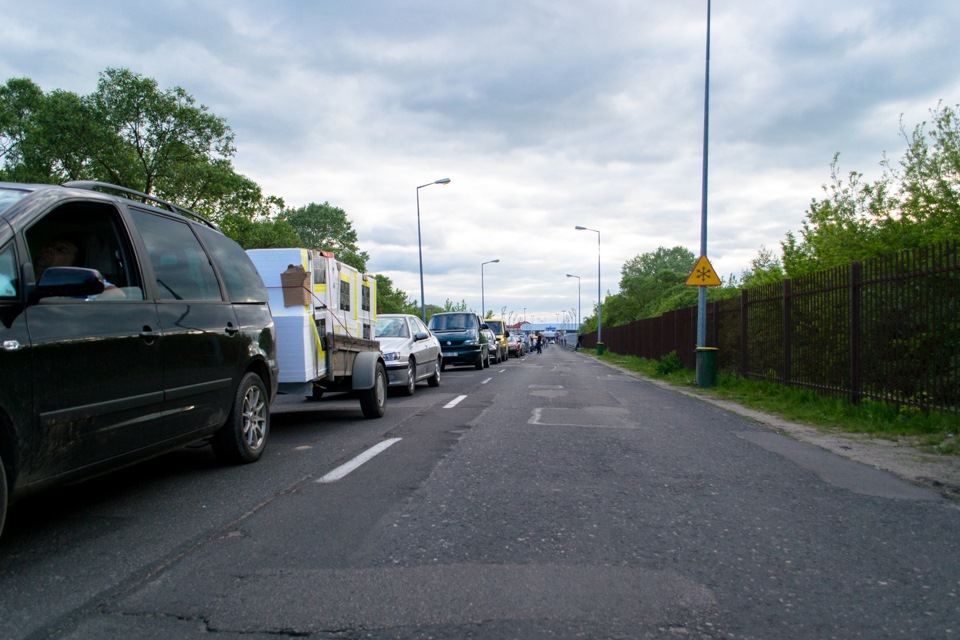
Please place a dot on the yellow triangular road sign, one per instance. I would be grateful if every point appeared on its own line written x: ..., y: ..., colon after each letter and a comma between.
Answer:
x: 703, y: 275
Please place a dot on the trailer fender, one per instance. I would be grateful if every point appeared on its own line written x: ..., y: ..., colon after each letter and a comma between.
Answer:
x: 365, y: 369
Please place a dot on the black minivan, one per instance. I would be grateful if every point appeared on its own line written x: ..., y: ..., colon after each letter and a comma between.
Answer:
x: 128, y: 327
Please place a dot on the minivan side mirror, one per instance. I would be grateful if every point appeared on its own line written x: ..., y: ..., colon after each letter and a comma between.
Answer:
x: 71, y: 282
x: 484, y: 326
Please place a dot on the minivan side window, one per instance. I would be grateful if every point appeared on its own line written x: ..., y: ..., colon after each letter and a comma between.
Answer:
x: 88, y: 235
x: 181, y: 267
x: 9, y: 282
x: 240, y: 277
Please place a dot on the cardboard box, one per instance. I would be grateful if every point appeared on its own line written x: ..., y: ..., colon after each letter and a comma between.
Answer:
x: 296, y: 286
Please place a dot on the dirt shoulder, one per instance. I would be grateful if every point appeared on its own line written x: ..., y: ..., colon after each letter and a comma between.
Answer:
x: 900, y: 457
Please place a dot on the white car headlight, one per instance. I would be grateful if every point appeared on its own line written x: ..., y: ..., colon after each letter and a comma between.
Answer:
x: 390, y: 356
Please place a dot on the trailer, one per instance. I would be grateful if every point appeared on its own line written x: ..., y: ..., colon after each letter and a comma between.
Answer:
x: 325, y: 314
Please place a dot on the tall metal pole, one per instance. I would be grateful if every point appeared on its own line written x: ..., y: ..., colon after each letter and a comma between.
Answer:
x: 423, y: 307
x: 579, y: 314
x: 702, y: 293
x: 483, y: 307
x: 599, y: 301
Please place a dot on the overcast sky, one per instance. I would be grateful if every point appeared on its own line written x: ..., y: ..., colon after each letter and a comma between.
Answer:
x: 544, y: 114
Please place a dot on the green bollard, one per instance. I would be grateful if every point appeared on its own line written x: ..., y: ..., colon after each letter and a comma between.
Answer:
x: 706, y: 366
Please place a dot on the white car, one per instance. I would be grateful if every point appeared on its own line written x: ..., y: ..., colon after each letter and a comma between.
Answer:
x: 410, y: 351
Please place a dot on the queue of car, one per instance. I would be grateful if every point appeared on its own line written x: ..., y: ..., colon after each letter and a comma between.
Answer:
x: 132, y: 327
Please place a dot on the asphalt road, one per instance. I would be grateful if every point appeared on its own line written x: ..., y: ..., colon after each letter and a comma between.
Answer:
x: 549, y: 498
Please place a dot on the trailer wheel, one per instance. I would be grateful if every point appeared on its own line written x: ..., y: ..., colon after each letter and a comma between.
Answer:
x: 373, y: 401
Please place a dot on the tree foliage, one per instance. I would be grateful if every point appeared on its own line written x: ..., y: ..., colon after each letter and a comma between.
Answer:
x: 324, y: 226
x: 132, y: 134
x: 390, y: 300
x: 914, y: 203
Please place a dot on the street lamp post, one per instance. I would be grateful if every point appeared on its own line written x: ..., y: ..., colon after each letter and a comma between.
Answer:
x: 423, y: 307
x: 570, y: 275
x: 483, y: 308
x: 599, y: 300
x: 706, y: 356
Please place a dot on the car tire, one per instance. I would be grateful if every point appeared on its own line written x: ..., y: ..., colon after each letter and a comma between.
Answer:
x: 411, y: 378
x: 482, y: 361
x: 373, y: 401
x: 3, y: 495
x: 243, y: 437
x: 434, y: 380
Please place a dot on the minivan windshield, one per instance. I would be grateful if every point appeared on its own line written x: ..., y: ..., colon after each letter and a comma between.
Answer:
x: 452, y: 322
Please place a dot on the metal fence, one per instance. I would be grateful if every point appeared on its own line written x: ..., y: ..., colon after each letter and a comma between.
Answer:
x: 887, y: 329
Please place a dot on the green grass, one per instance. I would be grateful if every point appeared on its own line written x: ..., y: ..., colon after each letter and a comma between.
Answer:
x: 933, y: 431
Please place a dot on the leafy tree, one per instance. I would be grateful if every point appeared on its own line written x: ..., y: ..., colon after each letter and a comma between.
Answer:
x: 648, y: 280
x: 260, y: 234
x: 764, y: 268
x: 148, y: 138
x: 916, y: 202
x: 20, y: 102
x: 324, y: 226
x: 132, y: 134
x: 390, y: 300
x: 449, y: 306
x: 432, y: 309
x: 929, y: 175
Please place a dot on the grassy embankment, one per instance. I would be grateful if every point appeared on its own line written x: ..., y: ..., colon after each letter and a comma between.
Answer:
x: 933, y: 431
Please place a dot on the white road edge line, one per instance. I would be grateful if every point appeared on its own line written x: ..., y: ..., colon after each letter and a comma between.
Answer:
x: 454, y: 402
x: 366, y: 456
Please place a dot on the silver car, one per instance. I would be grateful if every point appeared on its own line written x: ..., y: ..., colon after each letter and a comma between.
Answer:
x: 410, y: 351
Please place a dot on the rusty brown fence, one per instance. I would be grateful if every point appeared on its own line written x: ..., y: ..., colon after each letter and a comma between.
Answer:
x: 886, y: 329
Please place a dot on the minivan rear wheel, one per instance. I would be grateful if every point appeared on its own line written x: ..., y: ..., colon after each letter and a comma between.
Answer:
x: 244, y: 436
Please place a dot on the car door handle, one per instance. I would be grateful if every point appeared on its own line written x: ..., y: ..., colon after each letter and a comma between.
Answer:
x: 148, y: 334
x: 231, y: 330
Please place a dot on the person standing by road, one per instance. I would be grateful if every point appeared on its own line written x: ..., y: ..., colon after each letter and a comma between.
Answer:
x: 539, y: 344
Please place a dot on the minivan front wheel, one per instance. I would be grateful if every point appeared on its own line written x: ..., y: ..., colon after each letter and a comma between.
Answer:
x: 244, y: 436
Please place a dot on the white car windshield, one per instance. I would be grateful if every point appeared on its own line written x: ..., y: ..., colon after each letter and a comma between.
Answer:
x: 392, y: 328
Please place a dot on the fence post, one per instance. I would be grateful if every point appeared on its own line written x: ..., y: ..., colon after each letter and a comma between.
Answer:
x: 744, y: 365
x: 856, y: 279
x: 787, y: 331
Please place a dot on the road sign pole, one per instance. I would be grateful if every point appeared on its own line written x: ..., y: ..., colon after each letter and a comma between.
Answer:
x: 702, y: 359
